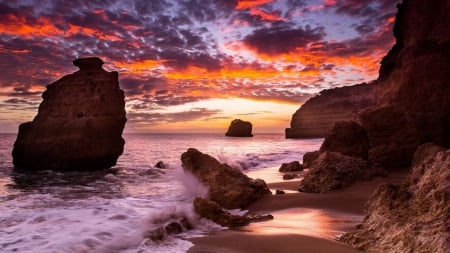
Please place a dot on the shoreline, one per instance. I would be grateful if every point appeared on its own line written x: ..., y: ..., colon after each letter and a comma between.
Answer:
x: 303, y: 222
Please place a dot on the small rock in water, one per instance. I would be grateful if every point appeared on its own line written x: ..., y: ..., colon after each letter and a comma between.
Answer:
x: 160, y: 165
x: 111, y: 178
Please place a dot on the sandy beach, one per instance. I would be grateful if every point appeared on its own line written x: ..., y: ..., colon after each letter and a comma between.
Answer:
x: 303, y: 222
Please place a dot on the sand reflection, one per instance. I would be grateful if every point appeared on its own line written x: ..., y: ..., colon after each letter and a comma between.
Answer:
x: 305, y: 221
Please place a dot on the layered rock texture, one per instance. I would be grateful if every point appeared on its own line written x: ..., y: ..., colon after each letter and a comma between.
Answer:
x: 319, y: 113
x: 79, y: 123
x: 413, y: 217
x: 228, y: 186
x: 239, y: 128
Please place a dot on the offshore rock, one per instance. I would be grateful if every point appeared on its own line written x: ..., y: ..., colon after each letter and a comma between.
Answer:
x: 228, y: 186
x: 348, y: 138
x: 413, y: 217
x: 331, y: 171
x: 79, y: 123
x: 214, y: 212
x: 239, y: 128
x: 319, y: 113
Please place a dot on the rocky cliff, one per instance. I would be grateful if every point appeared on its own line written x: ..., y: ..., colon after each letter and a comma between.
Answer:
x: 319, y: 113
x: 79, y: 123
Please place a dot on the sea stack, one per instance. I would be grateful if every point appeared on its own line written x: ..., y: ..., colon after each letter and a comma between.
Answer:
x: 79, y: 123
x: 239, y: 128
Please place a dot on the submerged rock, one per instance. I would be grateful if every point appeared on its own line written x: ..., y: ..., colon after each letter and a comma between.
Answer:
x: 413, y: 217
x: 214, y: 212
x: 331, y: 171
x: 79, y: 123
x: 239, y: 128
x: 291, y: 167
x: 228, y: 186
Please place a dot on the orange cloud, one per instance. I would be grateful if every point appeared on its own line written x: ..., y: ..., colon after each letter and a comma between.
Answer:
x: 252, y: 6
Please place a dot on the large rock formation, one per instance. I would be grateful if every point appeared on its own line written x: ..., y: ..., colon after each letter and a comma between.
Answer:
x: 332, y: 170
x: 413, y: 217
x: 348, y: 138
x: 239, y: 128
x: 319, y: 113
x: 79, y: 123
x: 228, y: 186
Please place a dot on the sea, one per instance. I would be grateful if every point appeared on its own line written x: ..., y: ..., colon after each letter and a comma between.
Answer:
x: 115, y: 210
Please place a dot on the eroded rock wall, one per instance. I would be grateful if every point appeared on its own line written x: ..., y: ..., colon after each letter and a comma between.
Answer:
x: 319, y: 113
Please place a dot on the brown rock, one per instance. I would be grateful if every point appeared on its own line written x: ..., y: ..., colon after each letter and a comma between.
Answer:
x: 79, y: 123
x: 414, y: 217
x: 318, y: 114
x: 228, y: 186
x: 309, y: 157
x: 392, y: 136
x: 289, y: 176
x: 348, y: 138
x: 332, y: 171
x: 239, y: 128
x: 214, y: 212
x: 291, y: 167
x: 279, y: 192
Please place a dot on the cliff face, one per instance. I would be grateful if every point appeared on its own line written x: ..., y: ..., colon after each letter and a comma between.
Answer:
x: 319, y: 113
x: 79, y: 123
x: 415, y: 74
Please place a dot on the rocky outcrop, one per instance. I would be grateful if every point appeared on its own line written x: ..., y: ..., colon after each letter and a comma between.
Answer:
x: 319, y: 113
x: 291, y: 167
x: 348, y: 138
x: 214, y: 212
x: 239, y: 128
x: 228, y: 186
x: 79, y: 123
x: 331, y: 171
x: 413, y: 217
x: 309, y: 157
x: 392, y: 136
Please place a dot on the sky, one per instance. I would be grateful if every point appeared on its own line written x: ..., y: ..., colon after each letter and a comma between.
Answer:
x: 193, y: 65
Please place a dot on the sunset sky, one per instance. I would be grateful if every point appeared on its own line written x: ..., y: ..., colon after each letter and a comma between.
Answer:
x: 193, y: 65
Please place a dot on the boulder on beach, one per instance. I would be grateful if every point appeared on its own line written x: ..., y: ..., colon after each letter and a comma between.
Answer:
x: 309, y: 157
x: 348, y: 138
x: 413, y: 217
x: 331, y: 171
x: 291, y: 167
x: 239, y: 128
x: 79, y: 123
x: 214, y: 212
x: 228, y: 186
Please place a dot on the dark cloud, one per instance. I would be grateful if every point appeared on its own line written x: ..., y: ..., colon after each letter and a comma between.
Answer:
x: 278, y: 40
x: 185, y: 116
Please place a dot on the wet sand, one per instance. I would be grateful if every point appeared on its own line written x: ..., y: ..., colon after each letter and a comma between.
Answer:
x: 303, y: 222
